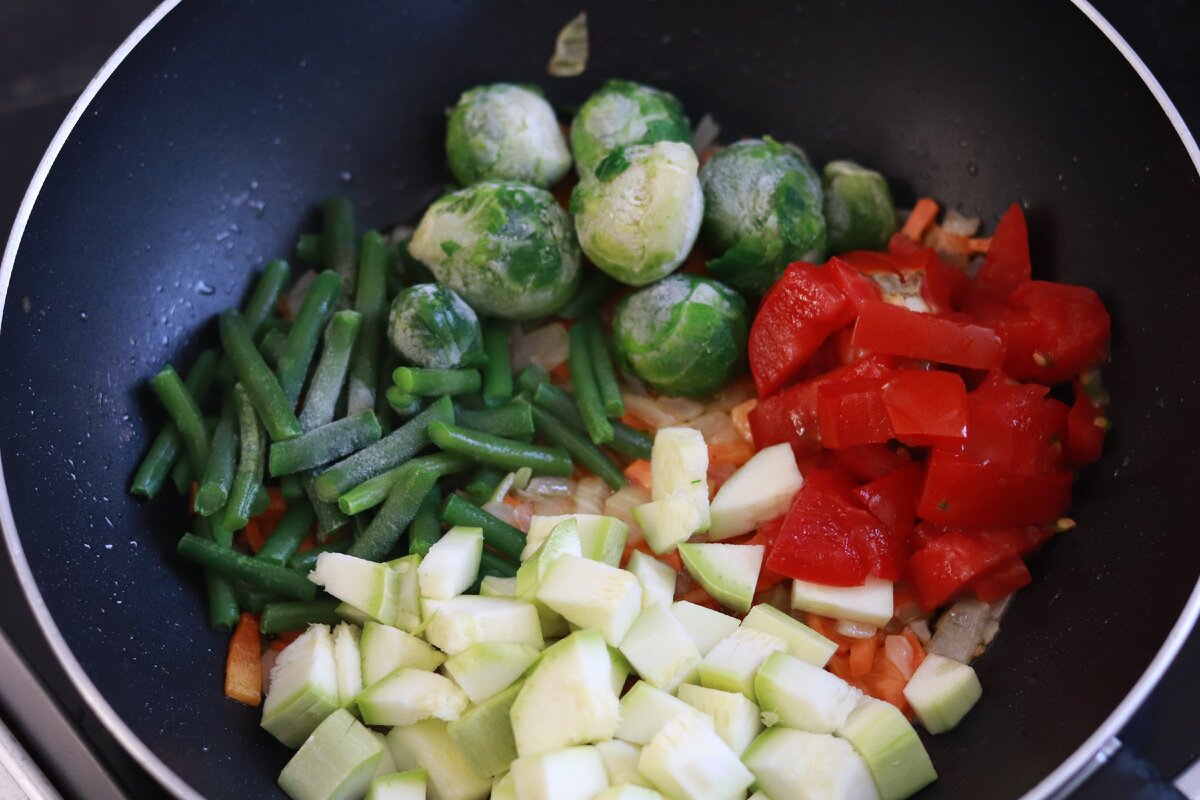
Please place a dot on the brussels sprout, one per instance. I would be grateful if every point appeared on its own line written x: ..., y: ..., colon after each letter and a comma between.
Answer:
x: 508, y: 248
x: 684, y: 335
x: 624, y: 113
x: 638, y: 215
x: 505, y: 131
x: 432, y: 327
x: 859, y: 214
x: 762, y: 211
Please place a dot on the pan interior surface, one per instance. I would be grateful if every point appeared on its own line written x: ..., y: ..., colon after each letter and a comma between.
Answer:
x: 206, y: 152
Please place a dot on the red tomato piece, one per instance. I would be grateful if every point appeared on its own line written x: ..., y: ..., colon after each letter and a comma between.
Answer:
x: 926, y: 403
x: 869, y: 462
x: 1086, y: 426
x: 850, y: 277
x: 950, y: 561
x: 885, y: 328
x: 892, y: 498
x: 1006, y: 267
x: 1015, y: 426
x: 1001, y: 580
x: 796, y: 316
x: 943, y: 285
x: 852, y: 413
x: 960, y: 492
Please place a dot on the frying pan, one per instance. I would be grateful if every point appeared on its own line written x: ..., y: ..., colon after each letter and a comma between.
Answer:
x: 200, y: 152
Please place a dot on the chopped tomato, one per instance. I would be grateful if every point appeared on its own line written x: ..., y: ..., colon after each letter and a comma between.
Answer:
x: 892, y: 498
x: 869, y: 462
x: 852, y: 413
x: 1006, y: 267
x: 946, y: 565
x: 849, y: 272
x: 1001, y: 580
x: 897, y: 331
x: 969, y: 493
x: 1087, y: 424
x: 925, y: 403
x: 943, y: 285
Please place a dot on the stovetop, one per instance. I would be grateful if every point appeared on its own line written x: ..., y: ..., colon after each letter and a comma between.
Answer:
x: 48, y: 52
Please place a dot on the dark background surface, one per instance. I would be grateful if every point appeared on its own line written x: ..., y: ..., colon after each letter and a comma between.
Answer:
x: 50, y: 49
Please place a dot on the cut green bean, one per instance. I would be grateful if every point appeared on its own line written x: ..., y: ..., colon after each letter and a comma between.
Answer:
x: 302, y: 339
x: 271, y: 347
x: 325, y: 444
x: 497, y: 375
x: 247, y: 481
x: 182, y: 477
x: 530, y: 378
x: 426, y: 527
x: 265, y: 297
x: 289, y: 532
x: 587, y: 395
x: 185, y: 413
x: 294, y: 616
x: 498, y: 452
x: 217, y: 479
x: 239, y: 567
x: 272, y: 405
x: 394, y: 449
x: 337, y: 241
x: 292, y: 487
x: 404, y: 406
x: 593, y: 291
x: 164, y: 452
x: 627, y: 441
x: 310, y: 249
x: 371, y: 493
x: 330, y: 518
x: 320, y: 401
x: 397, y: 512
x: 513, y: 419
x: 436, y: 382
x: 262, y: 499
x: 584, y: 453
x: 482, y: 484
x: 602, y: 368
x: 223, y: 607
x: 496, y: 565
x: 306, y: 561
x: 497, y: 533
x: 371, y: 301
x: 253, y: 600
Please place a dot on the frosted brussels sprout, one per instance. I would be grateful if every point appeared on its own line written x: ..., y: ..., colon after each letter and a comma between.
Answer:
x: 505, y: 131
x: 762, y: 211
x: 684, y: 335
x: 506, y: 247
x: 859, y: 213
x: 638, y: 215
x: 433, y: 327
x: 625, y: 113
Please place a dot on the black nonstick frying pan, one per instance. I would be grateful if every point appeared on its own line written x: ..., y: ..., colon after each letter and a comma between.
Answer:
x: 201, y: 154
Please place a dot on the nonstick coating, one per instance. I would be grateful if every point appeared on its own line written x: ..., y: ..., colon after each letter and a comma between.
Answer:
x: 207, y: 151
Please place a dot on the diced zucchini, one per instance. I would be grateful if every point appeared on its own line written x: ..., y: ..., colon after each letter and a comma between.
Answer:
x: 620, y: 762
x: 468, y: 619
x: 591, y: 594
x: 411, y: 695
x: 628, y: 791
x: 304, y: 689
x: 348, y: 663
x: 568, y: 698
x: 384, y: 649
x: 808, y: 766
x: 760, y: 490
x: 450, y: 774
x: 668, y: 522
x: 561, y: 540
x: 795, y: 694
x: 755, y: 796
x: 645, y: 710
x: 941, y: 692
x: 679, y: 463
x: 656, y: 578
x: 408, y: 785
x: 408, y: 593
x: 485, y: 733
x: 573, y: 773
x: 728, y: 572
x: 735, y: 719
x: 487, y: 668
x: 688, y: 761
x: 370, y: 587
x: 621, y: 670
x: 802, y: 641
x: 495, y: 586
x: 870, y: 603
x: 386, y: 765
x: 335, y: 763
x: 659, y: 649
x: 706, y: 626
x: 890, y: 747
x: 452, y: 563
x: 503, y: 788
x: 603, y: 538
x: 733, y: 663
x: 350, y: 614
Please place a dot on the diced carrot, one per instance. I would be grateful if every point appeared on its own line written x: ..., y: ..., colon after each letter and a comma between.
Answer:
x: 862, y: 656
x: 243, y: 666
x: 254, y: 536
x: 700, y: 598
x: 639, y: 472
x: 827, y: 628
x: 740, y: 414
x: 282, y: 640
x: 734, y: 452
x: 634, y: 421
x: 979, y: 245
x: 923, y: 214
x: 839, y: 664
x: 509, y: 500
x: 886, y: 682
x: 191, y: 506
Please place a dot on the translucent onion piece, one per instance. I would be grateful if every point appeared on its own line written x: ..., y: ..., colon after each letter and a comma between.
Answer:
x: 955, y: 222
x: 544, y: 486
x: 553, y: 507
x: 621, y: 505
x: 856, y: 630
x: 909, y: 612
x: 502, y: 512
x: 546, y: 346
x: 662, y: 412
x: 570, y: 49
x: 900, y: 652
x: 707, y: 131
x: 590, y: 494
x: 920, y: 628
x: 268, y: 664
x: 733, y: 395
x: 522, y: 512
x: 960, y: 630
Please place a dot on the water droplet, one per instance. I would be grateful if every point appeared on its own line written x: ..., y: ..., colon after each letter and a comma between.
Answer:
x: 972, y: 168
x: 83, y: 315
x: 345, y: 176
x: 204, y: 288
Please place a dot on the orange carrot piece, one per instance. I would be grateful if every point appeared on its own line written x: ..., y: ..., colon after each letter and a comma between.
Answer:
x: 254, y: 536
x: 634, y: 421
x: 862, y: 655
x: 243, y: 666
x: 639, y: 472
x: 979, y: 245
x: 923, y: 214
x: 282, y: 640
x: 308, y: 542
x: 732, y: 453
x: 277, y: 504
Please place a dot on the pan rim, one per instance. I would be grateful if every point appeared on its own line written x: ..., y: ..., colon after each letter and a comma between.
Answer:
x: 1064, y: 778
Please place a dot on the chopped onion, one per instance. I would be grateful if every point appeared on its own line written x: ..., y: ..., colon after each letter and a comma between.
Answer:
x: 268, y: 664
x: 544, y: 486
x: 900, y: 652
x: 299, y: 291
x: 590, y: 494
x: 622, y: 503
x: 522, y: 513
x: 733, y: 395
x: 920, y: 629
x: 716, y: 426
x: 960, y: 630
x: 995, y: 612
x: 662, y: 412
x: 856, y: 630
x: 570, y: 49
x: 546, y: 346
x: 909, y: 612
x: 503, y: 487
x: 955, y: 222
x: 707, y: 131
x: 553, y: 506
x: 501, y: 511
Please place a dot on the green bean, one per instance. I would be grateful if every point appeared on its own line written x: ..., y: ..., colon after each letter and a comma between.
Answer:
x: 388, y: 417
x: 271, y: 347
x: 394, y: 449
x: 372, y: 303
x: 289, y: 532
x: 405, y: 406
x: 263, y: 299
x: 223, y: 607
x: 602, y: 368
x: 310, y: 248
x: 626, y: 440
x: 262, y: 499
x: 586, y: 454
x: 239, y: 567
x: 217, y: 478
x: 248, y: 479
x: 426, y: 527
x: 291, y: 616
x: 496, y: 532
x: 397, y: 512
x: 497, y: 375
x: 182, y: 407
x: 436, y: 382
x: 272, y: 405
x: 322, y: 445
x: 592, y: 292
x: 371, y: 493
x: 503, y: 453
x: 530, y: 378
x: 167, y: 446
x: 292, y: 487
x: 337, y: 241
x: 587, y: 395
x: 495, y: 564
x: 306, y: 330
x: 482, y: 483
x: 304, y: 562
x: 181, y: 476
x: 253, y: 600
x: 513, y: 419
x: 326, y: 385
x: 329, y: 517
